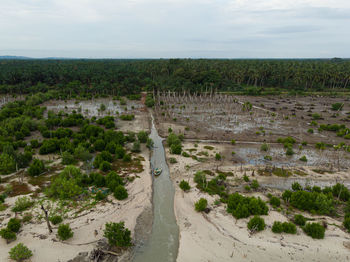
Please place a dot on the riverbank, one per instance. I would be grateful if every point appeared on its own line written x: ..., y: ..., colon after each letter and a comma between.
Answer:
x: 218, y: 236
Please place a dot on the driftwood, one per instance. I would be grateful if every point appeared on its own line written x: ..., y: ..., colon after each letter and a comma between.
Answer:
x: 47, y: 218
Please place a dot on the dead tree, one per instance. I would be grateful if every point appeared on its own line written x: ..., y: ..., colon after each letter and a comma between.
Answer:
x: 47, y: 219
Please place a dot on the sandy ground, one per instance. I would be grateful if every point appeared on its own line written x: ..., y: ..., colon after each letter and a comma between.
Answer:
x: 218, y: 236
x: 45, y: 246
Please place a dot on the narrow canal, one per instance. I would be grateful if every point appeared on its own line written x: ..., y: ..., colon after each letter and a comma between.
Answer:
x: 163, y: 243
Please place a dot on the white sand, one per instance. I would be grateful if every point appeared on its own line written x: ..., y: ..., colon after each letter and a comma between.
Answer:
x: 84, y: 226
x: 218, y: 236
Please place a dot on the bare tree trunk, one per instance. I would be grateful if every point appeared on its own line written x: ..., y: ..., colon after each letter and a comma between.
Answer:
x: 47, y: 219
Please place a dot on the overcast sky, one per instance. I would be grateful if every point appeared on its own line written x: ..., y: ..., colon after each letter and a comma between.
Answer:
x: 175, y: 28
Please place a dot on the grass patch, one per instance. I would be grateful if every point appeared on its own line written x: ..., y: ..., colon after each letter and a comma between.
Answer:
x: 209, y: 147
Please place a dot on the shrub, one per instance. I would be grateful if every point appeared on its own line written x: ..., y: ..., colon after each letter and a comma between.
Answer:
x: 201, y: 205
x: 310, y: 130
x: 218, y: 157
x: 176, y: 149
x: 105, y: 166
x: 14, y: 225
x: 142, y: 136
x: 233, y: 142
x: 289, y: 151
x: 117, y: 234
x: 56, y: 219
x: 36, y: 168
x: 316, y: 116
x: 346, y: 223
x: 337, y: 106
x: 296, y: 186
x: 120, y: 193
x: 268, y: 158
x: 264, y: 147
x: 7, y: 164
x: 303, y: 158
x: 20, y: 252
x: 127, y: 158
x: 240, y: 206
x: 100, y: 196
x: 67, y: 158
x: 256, y: 224
x: 184, y: 185
x: 286, y: 196
x: 255, y: 184
x: 136, y: 147
x: 64, y: 232
x: 7, y: 234
x: 313, y: 202
x: 22, y: 203
x: 149, y: 143
x: 275, y: 201
x: 300, y: 220
x: 315, y: 230
x: 277, y: 227
x: 289, y: 228
x: 246, y: 178
x: 172, y: 160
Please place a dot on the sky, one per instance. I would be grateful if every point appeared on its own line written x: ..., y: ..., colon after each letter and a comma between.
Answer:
x: 175, y: 28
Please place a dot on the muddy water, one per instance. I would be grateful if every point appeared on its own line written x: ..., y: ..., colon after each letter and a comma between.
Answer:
x: 163, y: 243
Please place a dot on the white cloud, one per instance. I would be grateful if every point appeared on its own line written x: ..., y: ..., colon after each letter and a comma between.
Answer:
x: 171, y: 28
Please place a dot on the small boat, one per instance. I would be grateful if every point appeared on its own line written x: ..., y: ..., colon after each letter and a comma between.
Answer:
x: 157, y: 171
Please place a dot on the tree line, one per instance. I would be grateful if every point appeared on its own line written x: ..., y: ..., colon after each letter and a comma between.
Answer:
x: 122, y: 77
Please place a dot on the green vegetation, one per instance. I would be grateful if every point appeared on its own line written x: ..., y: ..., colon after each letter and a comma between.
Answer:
x: 14, y: 225
x: 174, y: 142
x: 56, y: 219
x: 337, y: 106
x: 314, y: 230
x: 256, y: 224
x: 214, y: 186
x: 240, y: 206
x: 184, y: 185
x: 300, y: 220
x: 64, y: 232
x: 201, y: 205
x: 120, y: 192
x: 36, y: 168
x: 275, y: 201
x: 22, y: 203
x: 20, y: 252
x: 286, y: 227
x: 264, y: 147
x: 117, y: 234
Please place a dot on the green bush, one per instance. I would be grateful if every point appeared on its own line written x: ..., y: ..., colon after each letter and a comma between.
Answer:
x: 127, y: 158
x: 136, y: 147
x: 36, y: 168
x: 346, y: 223
x: 22, y: 203
x: 337, y: 106
x: 201, y: 205
x: 255, y: 184
x: 120, y: 193
x: 313, y: 202
x: 7, y: 234
x: 277, y: 227
x: 316, y: 116
x: 268, y: 158
x: 64, y: 232
x: 14, y: 225
x: 296, y: 186
x: 289, y: 151
x: 315, y: 230
x: 289, y: 228
x: 105, y: 166
x: 56, y: 219
x: 117, y: 234
x: 240, y: 206
x: 310, y: 130
x: 300, y: 220
x: 67, y: 158
x: 176, y: 149
x: 303, y: 158
x: 275, y: 201
x: 172, y: 160
x: 264, y: 147
x: 100, y: 196
x: 142, y: 136
x: 246, y: 178
x: 20, y: 252
x: 218, y: 157
x: 256, y: 224
x: 184, y: 185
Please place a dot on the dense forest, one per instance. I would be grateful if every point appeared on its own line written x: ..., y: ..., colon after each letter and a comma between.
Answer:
x: 120, y: 77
